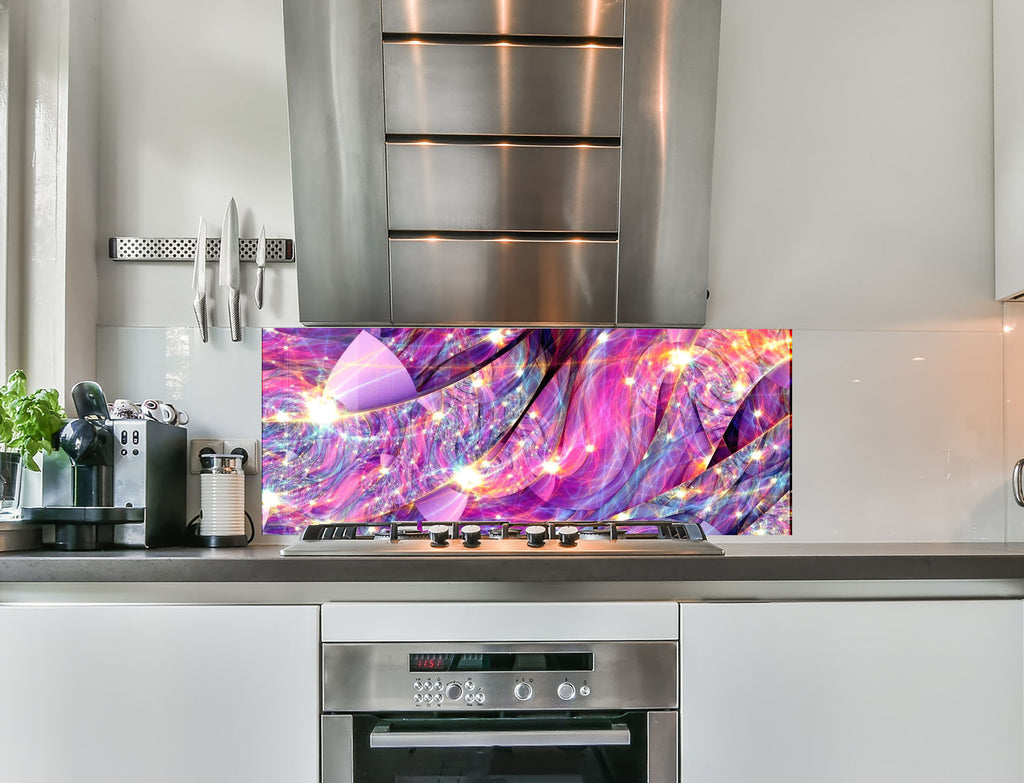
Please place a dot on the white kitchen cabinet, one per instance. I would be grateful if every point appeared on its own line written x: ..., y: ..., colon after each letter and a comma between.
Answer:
x: 850, y: 692
x: 159, y: 694
x: 1008, y: 150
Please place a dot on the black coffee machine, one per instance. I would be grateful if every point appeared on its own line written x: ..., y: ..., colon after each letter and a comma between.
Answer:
x: 114, y: 482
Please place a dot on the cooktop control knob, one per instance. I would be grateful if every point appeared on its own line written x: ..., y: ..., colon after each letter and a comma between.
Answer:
x: 566, y: 691
x: 438, y: 535
x: 522, y: 691
x: 470, y: 535
x: 568, y: 535
x: 535, y: 535
x: 453, y: 691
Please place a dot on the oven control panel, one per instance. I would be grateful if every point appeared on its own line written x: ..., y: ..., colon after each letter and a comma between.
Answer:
x: 520, y: 676
x: 528, y: 692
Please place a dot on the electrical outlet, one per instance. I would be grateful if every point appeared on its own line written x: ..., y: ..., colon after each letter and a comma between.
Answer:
x: 249, y: 449
x: 199, y: 446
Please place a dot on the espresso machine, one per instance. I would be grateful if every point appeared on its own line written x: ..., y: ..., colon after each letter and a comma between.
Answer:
x: 112, y: 482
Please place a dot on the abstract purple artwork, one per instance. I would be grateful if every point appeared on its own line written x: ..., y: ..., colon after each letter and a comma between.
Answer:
x: 446, y: 424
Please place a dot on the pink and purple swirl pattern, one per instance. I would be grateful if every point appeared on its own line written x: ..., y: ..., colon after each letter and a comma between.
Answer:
x: 446, y: 424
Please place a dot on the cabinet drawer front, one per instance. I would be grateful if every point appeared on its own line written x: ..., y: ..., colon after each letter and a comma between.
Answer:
x: 504, y: 17
x: 502, y: 89
x: 502, y: 281
x: 496, y: 187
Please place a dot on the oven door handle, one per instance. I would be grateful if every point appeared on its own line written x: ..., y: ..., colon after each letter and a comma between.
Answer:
x: 382, y: 737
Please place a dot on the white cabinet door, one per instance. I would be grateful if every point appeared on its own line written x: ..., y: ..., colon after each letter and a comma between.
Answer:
x: 852, y: 692
x: 1008, y: 169
x: 159, y: 694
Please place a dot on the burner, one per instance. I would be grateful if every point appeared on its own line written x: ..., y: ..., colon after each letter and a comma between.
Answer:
x: 490, y: 537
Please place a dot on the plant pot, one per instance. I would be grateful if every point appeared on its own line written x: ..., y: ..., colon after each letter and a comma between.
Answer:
x: 11, y: 469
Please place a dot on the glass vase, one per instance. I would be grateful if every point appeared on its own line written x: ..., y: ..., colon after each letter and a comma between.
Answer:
x: 11, y: 469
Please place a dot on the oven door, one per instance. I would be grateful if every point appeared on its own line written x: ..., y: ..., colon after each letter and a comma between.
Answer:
x: 630, y: 747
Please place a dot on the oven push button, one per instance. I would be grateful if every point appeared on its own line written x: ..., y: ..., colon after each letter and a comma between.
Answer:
x: 522, y: 691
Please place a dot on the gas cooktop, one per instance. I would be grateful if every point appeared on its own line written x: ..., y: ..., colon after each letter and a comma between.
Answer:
x: 458, y: 539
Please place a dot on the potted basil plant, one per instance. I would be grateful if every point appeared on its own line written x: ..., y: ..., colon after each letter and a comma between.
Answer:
x: 28, y: 422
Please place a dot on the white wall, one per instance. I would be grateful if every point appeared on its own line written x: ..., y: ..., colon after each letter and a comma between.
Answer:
x: 194, y: 112
x: 852, y: 202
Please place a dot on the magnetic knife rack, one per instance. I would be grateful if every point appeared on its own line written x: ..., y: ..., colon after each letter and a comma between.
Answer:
x: 279, y: 251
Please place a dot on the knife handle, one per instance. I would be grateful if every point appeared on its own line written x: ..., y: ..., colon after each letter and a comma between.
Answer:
x: 234, y: 317
x: 199, y: 307
x: 258, y: 294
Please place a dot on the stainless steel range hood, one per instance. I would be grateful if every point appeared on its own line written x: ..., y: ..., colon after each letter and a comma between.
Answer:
x: 502, y: 161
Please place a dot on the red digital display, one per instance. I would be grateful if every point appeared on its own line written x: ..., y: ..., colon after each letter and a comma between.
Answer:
x: 430, y: 662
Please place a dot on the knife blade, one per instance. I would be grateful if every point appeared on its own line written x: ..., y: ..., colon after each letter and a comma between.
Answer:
x: 199, y: 282
x: 229, y: 274
x: 261, y: 262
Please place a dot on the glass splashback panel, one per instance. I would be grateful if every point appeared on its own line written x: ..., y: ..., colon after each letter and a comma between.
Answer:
x: 427, y: 425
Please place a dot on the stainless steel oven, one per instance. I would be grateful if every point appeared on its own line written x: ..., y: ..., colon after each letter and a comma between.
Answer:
x: 518, y: 712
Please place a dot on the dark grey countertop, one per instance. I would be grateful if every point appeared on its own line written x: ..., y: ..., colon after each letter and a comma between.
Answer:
x: 744, y: 561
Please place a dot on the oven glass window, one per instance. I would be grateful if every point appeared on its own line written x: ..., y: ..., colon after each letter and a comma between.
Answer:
x: 533, y: 756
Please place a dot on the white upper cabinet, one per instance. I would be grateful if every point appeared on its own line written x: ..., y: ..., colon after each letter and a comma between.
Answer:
x: 1008, y: 130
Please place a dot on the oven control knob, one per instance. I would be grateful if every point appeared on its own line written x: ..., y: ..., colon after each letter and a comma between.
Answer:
x: 453, y: 691
x: 568, y: 535
x: 470, y: 535
x: 438, y: 535
x: 522, y: 691
x: 535, y: 535
x: 566, y: 691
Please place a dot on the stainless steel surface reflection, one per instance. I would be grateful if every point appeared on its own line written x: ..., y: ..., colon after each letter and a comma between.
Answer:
x: 669, y: 95
x: 513, y: 281
x: 592, y: 18
x: 502, y: 187
x: 376, y: 677
x: 336, y: 120
x: 502, y: 89
x: 528, y: 117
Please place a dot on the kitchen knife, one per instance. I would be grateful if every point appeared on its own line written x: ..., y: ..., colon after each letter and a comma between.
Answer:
x: 199, y: 281
x: 229, y: 275
x: 261, y: 262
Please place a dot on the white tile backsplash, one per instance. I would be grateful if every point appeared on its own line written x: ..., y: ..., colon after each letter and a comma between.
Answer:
x: 896, y: 436
x: 1013, y: 402
x: 217, y: 383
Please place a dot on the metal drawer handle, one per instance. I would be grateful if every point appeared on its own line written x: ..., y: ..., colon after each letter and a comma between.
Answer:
x: 383, y: 737
x: 1018, y: 489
